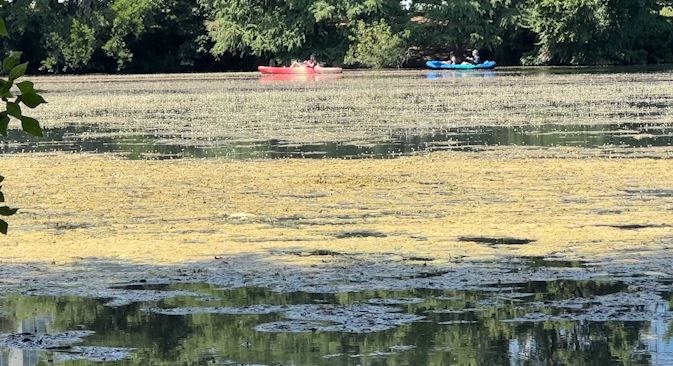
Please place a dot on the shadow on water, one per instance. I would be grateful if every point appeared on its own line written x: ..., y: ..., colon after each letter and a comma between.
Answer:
x: 262, y: 327
x: 92, y: 139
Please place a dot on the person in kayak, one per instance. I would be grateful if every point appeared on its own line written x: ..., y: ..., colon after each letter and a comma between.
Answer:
x: 474, y: 60
x: 311, y: 62
x: 453, y: 60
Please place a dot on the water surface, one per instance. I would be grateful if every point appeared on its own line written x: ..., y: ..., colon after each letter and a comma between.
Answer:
x: 453, y: 327
x: 165, y: 145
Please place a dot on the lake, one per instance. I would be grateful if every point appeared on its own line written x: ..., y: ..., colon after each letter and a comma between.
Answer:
x: 510, y: 217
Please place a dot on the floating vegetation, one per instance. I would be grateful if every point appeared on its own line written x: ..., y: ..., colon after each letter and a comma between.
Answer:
x: 320, y: 252
x: 116, y: 297
x: 469, y: 326
x: 94, y: 354
x: 395, y: 302
x: 651, y: 193
x: 359, y: 107
x: 637, y: 226
x: 363, y: 115
x: 422, y: 204
x: 552, y: 262
x: 622, y: 306
x: 344, y: 319
x: 35, y: 341
x: 360, y: 234
x: 343, y: 258
x: 350, y: 319
x: 247, y: 310
x: 610, y: 140
x: 495, y: 241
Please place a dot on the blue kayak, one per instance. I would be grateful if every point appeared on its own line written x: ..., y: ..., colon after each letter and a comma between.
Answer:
x: 439, y: 65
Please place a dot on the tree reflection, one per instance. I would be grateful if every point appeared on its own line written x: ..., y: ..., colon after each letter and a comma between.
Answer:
x: 475, y: 335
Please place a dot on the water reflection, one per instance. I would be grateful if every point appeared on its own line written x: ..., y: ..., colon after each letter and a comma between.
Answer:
x: 93, y: 139
x: 451, y: 74
x: 275, y: 78
x: 460, y: 327
x: 18, y: 357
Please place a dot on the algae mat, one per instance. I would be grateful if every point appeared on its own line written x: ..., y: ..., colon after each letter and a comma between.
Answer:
x: 443, y: 207
x: 360, y: 108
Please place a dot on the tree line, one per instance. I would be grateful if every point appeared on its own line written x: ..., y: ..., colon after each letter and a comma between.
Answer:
x: 79, y: 36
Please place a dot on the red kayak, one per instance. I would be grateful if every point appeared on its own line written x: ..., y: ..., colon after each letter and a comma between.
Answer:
x: 299, y: 70
x: 271, y: 78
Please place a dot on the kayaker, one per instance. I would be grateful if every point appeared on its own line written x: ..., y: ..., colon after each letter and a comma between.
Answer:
x: 453, y: 60
x: 311, y: 62
x: 474, y: 60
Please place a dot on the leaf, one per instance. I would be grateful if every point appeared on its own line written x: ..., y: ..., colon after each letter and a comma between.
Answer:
x: 26, y: 87
x: 31, y: 125
x: 4, y: 123
x: 11, y: 61
x: 14, y: 110
x: 2, y: 197
x: 3, y: 29
x: 5, y: 85
x: 18, y: 71
x: 3, y: 227
x: 31, y: 100
x: 6, y: 94
x: 2, y: 178
x: 7, y: 211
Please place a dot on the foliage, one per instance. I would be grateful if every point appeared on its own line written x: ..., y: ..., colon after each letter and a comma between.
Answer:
x: 198, y: 35
x: 595, y: 31
x: 667, y: 11
x: 457, y: 25
x: 27, y: 95
x: 72, y: 52
x: 377, y: 46
x: 130, y: 20
x: 292, y: 28
x: 569, y: 31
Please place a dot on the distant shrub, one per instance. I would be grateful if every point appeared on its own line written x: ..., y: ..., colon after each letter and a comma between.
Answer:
x: 375, y: 45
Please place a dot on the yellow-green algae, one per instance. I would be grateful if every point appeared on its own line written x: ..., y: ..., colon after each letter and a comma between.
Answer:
x: 80, y: 206
x: 358, y: 107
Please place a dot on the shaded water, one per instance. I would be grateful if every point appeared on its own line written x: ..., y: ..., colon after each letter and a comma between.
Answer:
x: 93, y: 139
x: 442, y: 327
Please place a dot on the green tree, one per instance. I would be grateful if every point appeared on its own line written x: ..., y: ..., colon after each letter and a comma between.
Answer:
x: 152, y: 35
x: 177, y: 35
x: 175, y: 39
x: 293, y: 28
x: 640, y: 32
x: 13, y: 100
x: 595, y: 31
x: 568, y: 31
x: 457, y: 25
x: 71, y: 53
x: 31, y: 22
x: 375, y: 45
x: 131, y: 19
